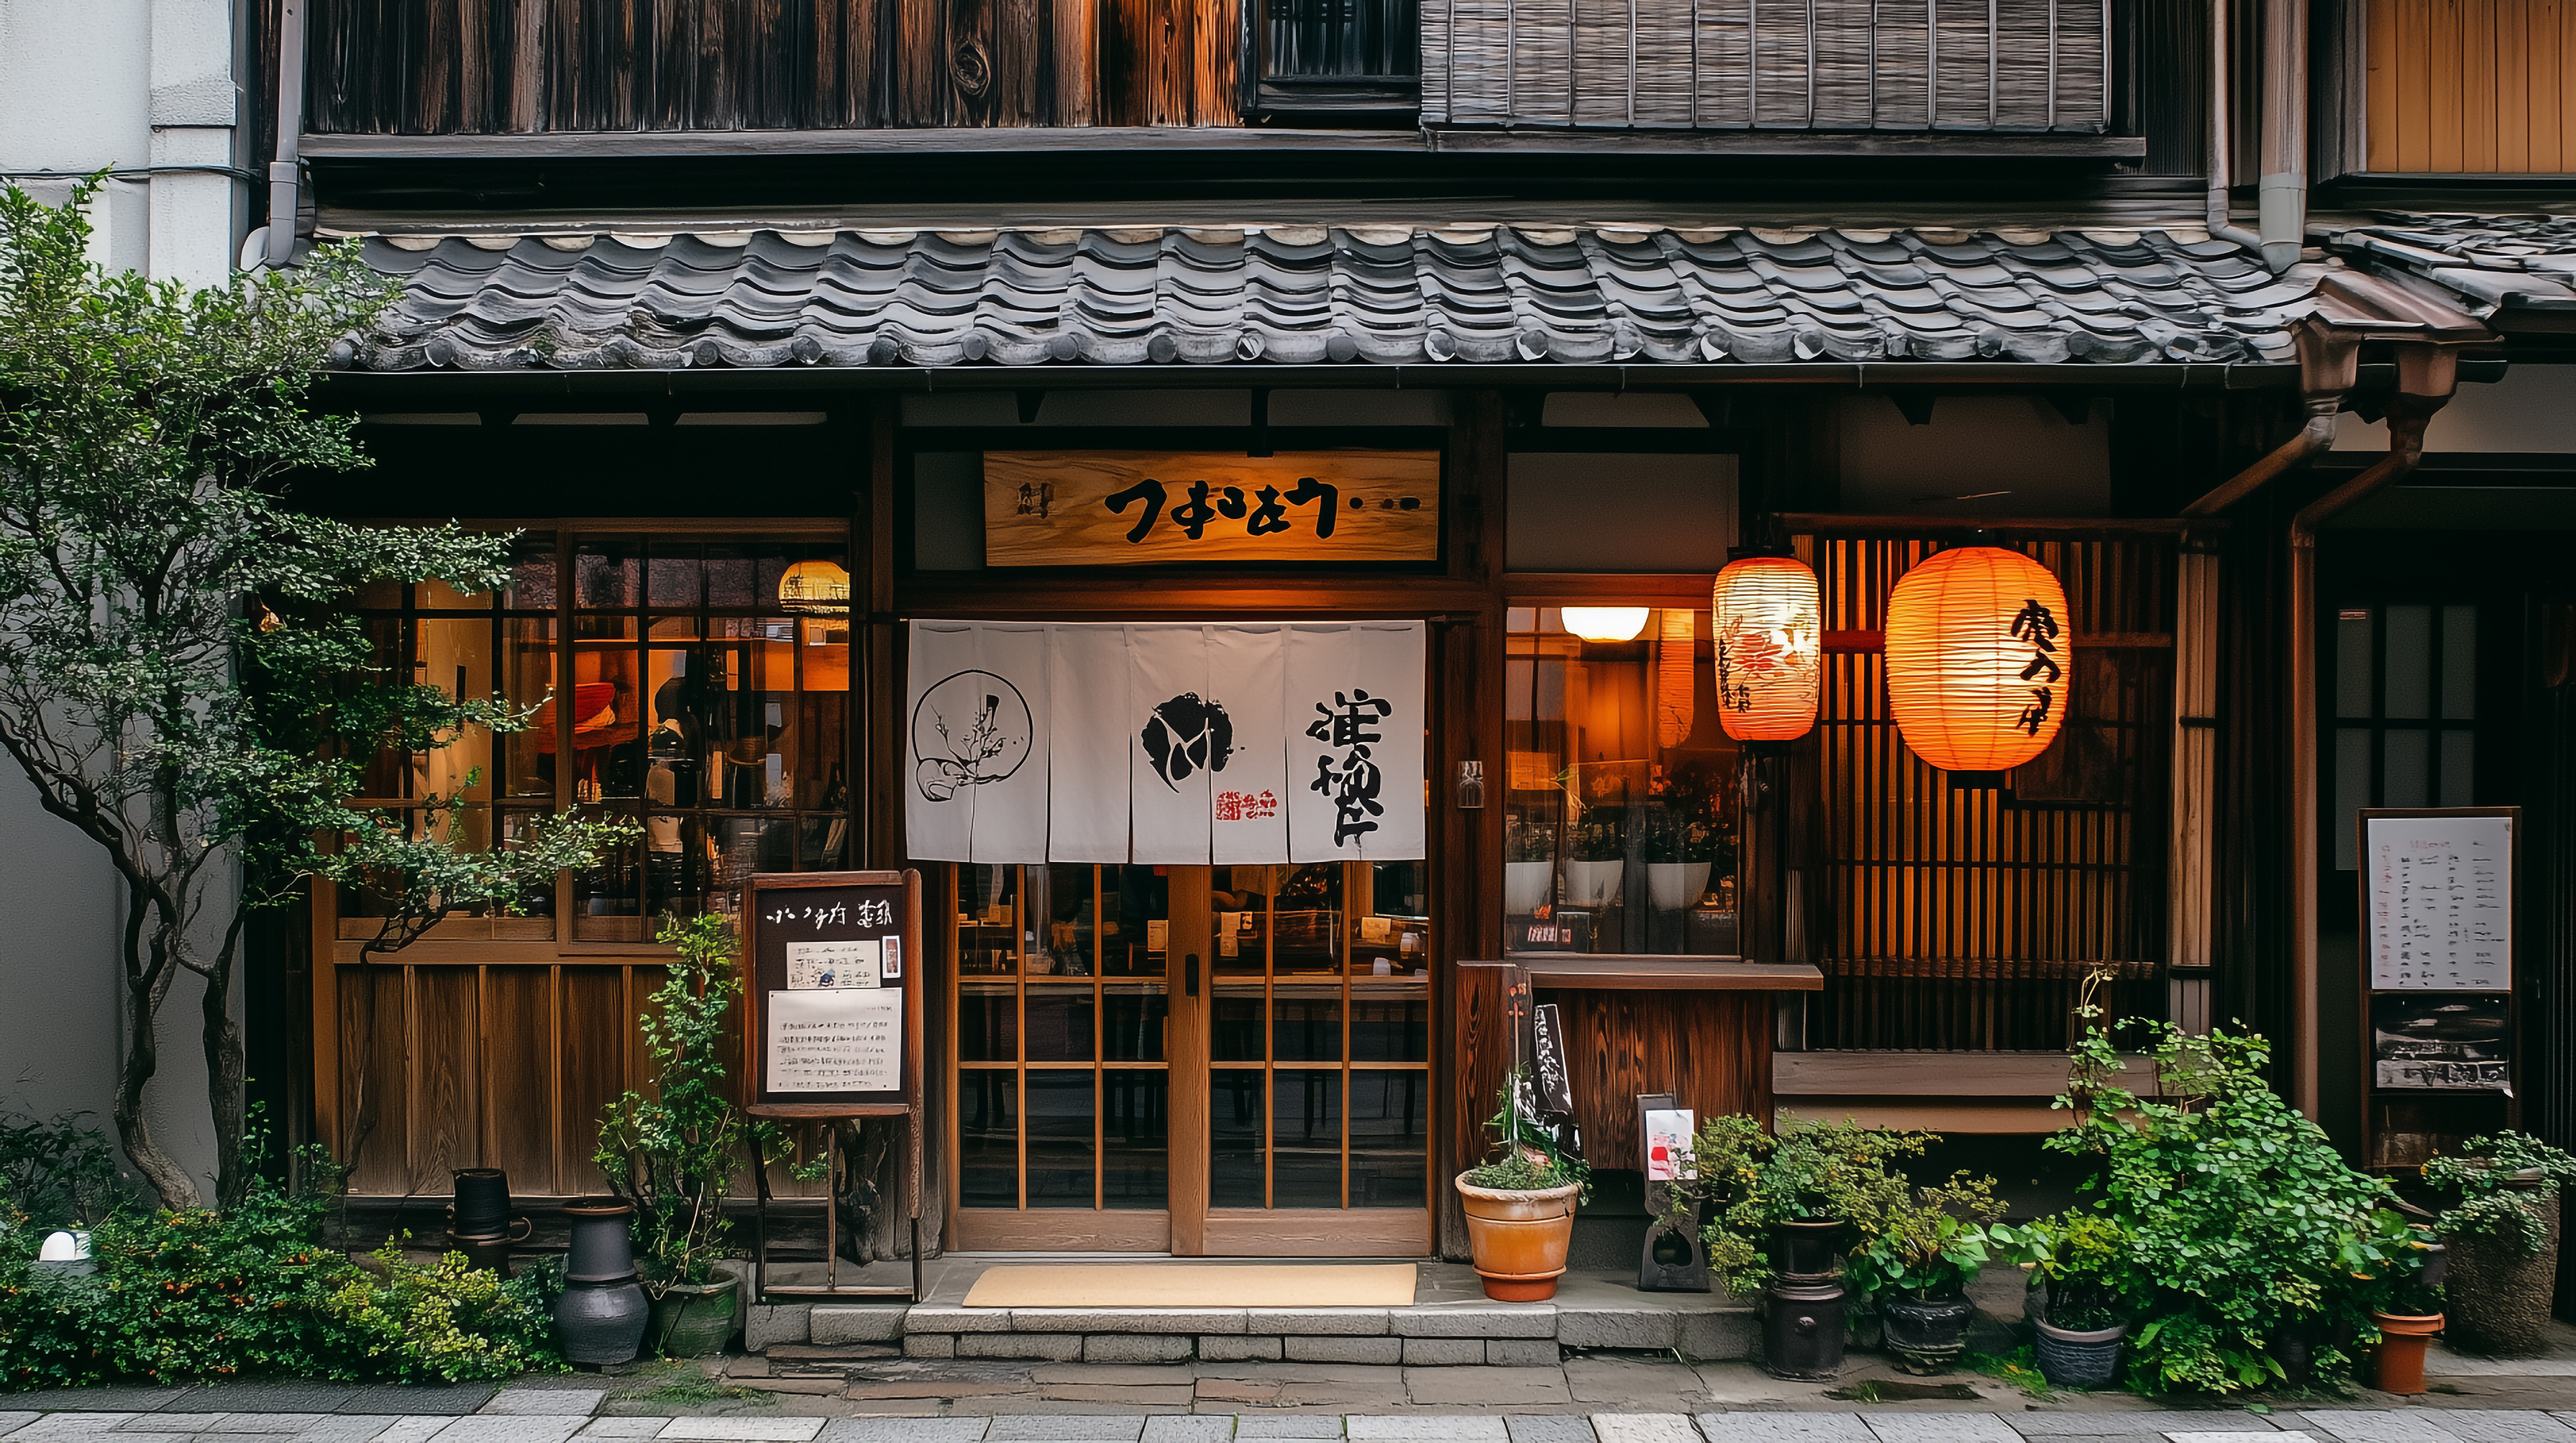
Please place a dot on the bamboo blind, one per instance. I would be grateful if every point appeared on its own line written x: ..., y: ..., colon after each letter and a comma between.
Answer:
x: 1955, y: 919
x: 2471, y: 86
x: 2007, y: 65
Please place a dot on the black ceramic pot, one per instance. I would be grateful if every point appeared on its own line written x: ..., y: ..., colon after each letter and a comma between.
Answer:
x: 601, y: 1324
x: 2073, y: 1359
x: 482, y: 1206
x: 1806, y: 1249
x: 1927, y: 1335
x: 601, y: 1251
x: 1803, y: 1335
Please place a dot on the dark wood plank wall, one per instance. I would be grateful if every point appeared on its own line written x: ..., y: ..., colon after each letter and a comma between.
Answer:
x: 440, y: 67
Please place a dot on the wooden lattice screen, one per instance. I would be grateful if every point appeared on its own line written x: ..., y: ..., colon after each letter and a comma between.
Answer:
x: 1968, y: 918
x: 1999, y: 65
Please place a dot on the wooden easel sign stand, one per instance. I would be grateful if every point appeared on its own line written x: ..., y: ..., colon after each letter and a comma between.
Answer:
x: 832, y: 1031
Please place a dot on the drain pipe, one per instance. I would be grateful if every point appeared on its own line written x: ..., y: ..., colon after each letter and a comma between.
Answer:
x: 2426, y: 377
x: 2283, y: 205
x: 2221, y: 225
x: 285, y: 172
x: 2329, y: 367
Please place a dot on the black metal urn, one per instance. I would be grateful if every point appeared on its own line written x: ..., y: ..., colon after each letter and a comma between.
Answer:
x: 600, y: 1317
x: 1803, y: 1336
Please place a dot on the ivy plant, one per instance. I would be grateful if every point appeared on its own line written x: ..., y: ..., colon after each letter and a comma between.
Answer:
x: 1812, y: 1172
x: 2502, y: 1182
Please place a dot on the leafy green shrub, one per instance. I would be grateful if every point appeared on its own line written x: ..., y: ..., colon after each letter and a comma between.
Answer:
x: 2502, y: 1182
x: 673, y: 1151
x: 445, y: 1321
x: 2243, y: 1225
x: 1934, y: 1245
x: 60, y: 1173
x: 1813, y: 1172
x: 2086, y: 1269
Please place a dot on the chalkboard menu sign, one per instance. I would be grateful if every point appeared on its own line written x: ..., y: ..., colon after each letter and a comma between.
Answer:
x: 835, y: 993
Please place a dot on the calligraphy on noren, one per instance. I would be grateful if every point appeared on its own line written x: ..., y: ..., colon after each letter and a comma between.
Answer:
x: 1090, y: 508
x: 1346, y: 775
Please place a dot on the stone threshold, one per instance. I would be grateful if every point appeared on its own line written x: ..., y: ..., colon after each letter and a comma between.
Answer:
x: 1450, y: 1324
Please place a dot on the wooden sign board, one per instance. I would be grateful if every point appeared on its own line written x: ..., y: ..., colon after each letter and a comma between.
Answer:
x: 833, y: 993
x: 1162, y: 508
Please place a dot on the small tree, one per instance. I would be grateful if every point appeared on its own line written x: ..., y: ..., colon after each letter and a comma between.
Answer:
x: 178, y: 675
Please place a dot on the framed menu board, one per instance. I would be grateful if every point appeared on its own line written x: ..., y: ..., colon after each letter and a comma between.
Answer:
x: 2438, y: 896
x: 834, y: 994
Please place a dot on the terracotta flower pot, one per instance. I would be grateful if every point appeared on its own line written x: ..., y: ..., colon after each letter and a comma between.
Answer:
x: 1518, y: 1238
x: 2402, y: 1339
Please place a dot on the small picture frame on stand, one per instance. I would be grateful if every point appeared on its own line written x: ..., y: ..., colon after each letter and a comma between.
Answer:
x: 1672, y: 1260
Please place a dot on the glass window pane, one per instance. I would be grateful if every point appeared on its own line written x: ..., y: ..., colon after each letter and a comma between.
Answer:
x: 1059, y: 1124
x: 2459, y: 662
x: 2352, y: 662
x: 527, y: 671
x: 731, y: 577
x: 988, y: 1022
x: 1236, y: 1035
x: 437, y: 595
x: 1135, y: 1016
x: 608, y: 896
x: 532, y: 574
x: 1390, y: 1020
x: 676, y: 574
x: 1390, y: 1131
x: 2405, y: 764
x: 988, y: 1139
x: 1135, y: 1162
x: 1059, y: 1021
x: 1133, y: 904
x: 988, y: 932
x: 1306, y: 1139
x: 1235, y: 1116
x: 2459, y: 769
x: 1306, y: 1023
x: 2351, y: 792
x: 1307, y: 919
x: 609, y: 699
x: 678, y: 875
x: 2410, y: 663
x: 607, y: 575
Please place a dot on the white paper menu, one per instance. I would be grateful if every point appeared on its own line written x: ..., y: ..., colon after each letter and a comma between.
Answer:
x: 2440, y: 903
x: 839, y: 1039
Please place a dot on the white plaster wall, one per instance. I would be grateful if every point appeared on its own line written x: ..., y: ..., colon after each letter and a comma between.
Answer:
x: 2532, y: 409
x: 137, y: 86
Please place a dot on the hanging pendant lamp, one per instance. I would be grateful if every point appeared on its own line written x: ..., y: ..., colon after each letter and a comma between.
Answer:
x: 1980, y: 659
x: 1767, y: 618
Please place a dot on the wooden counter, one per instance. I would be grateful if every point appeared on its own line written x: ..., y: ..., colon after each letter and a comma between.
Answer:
x: 1613, y: 972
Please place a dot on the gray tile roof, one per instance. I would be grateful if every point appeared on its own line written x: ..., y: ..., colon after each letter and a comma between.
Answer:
x: 1316, y: 295
x: 2499, y: 268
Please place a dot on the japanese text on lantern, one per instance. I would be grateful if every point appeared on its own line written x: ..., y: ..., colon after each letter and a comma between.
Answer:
x: 1347, y: 776
x: 2036, y: 624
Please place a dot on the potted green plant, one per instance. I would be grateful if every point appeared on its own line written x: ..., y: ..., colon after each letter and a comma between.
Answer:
x: 672, y: 1152
x: 2082, y: 1265
x: 1529, y: 865
x: 1680, y: 851
x: 1917, y: 1265
x: 2502, y: 1231
x: 1597, y: 853
x: 1520, y: 1206
x: 2406, y: 1306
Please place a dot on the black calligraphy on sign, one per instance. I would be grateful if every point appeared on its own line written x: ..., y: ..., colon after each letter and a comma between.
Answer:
x: 1186, y: 735
x: 1351, y: 779
x: 2037, y: 625
x: 1205, y: 505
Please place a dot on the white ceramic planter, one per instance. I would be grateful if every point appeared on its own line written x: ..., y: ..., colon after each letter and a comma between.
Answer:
x: 1676, y: 885
x: 1592, y: 884
x: 1525, y: 886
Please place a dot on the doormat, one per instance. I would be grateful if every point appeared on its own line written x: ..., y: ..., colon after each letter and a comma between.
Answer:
x: 1193, y: 1285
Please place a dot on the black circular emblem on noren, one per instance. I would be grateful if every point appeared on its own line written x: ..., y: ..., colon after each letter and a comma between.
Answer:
x: 968, y: 730
x: 1186, y: 735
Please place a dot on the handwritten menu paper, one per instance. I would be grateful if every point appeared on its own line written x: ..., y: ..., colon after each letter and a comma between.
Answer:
x: 813, y: 965
x: 836, y: 1040
x: 2440, y: 903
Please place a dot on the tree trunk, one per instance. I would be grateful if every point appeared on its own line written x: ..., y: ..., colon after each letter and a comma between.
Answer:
x: 226, y: 1069
x: 142, y: 1057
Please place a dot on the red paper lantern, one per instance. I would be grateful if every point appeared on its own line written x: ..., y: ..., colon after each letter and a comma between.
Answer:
x: 1979, y: 659
x: 1767, y: 618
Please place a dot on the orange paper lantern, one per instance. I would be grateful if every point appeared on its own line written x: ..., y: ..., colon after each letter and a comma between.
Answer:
x: 1979, y: 660
x: 1767, y: 618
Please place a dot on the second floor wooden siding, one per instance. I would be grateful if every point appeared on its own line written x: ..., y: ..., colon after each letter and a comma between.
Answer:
x: 2472, y: 87
x: 437, y: 67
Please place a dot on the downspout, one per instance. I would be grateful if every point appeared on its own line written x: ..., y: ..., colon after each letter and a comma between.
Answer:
x: 2426, y: 377
x: 2221, y: 225
x: 2329, y: 367
x: 285, y: 172
x: 2282, y: 213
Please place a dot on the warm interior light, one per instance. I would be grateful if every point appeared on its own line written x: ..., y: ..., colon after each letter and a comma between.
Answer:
x: 1764, y: 614
x: 816, y: 588
x: 1980, y: 658
x: 1606, y: 623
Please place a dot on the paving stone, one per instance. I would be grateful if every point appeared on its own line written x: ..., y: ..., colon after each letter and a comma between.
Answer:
x: 1053, y: 1347
x: 546, y: 1402
x: 348, y: 1427
x: 622, y: 1428
x: 108, y: 1400
x: 2212, y: 1435
x: 1305, y: 1425
x: 1343, y: 1350
x: 480, y: 1429
x: 2121, y: 1425
x: 764, y: 1324
x: 1719, y: 1334
x: 1522, y: 1352
x: 2517, y: 1425
x: 738, y: 1430
x: 1783, y: 1428
x: 10, y: 1422
x: 1134, y: 1348
x: 170, y: 1421
x: 1376, y: 1428
x: 903, y: 1430
x: 413, y: 1430
x: 826, y: 1325
x: 258, y: 1399
x: 1111, y: 1427
x: 2374, y: 1425
x: 1617, y: 1328
x: 1528, y: 1320
x: 949, y: 1318
x: 1127, y: 1320
x: 1497, y: 1388
x: 1645, y: 1428
x: 1228, y: 1348
x: 929, y: 1345
x: 1188, y: 1428
x: 1550, y: 1428
x: 1318, y: 1322
x: 445, y: 1400
x: 1446, y: 1352
x: 1941, y: 1428
x: 72, y: 1425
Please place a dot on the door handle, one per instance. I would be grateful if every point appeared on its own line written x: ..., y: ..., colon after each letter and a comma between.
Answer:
x: 1190, y: 975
